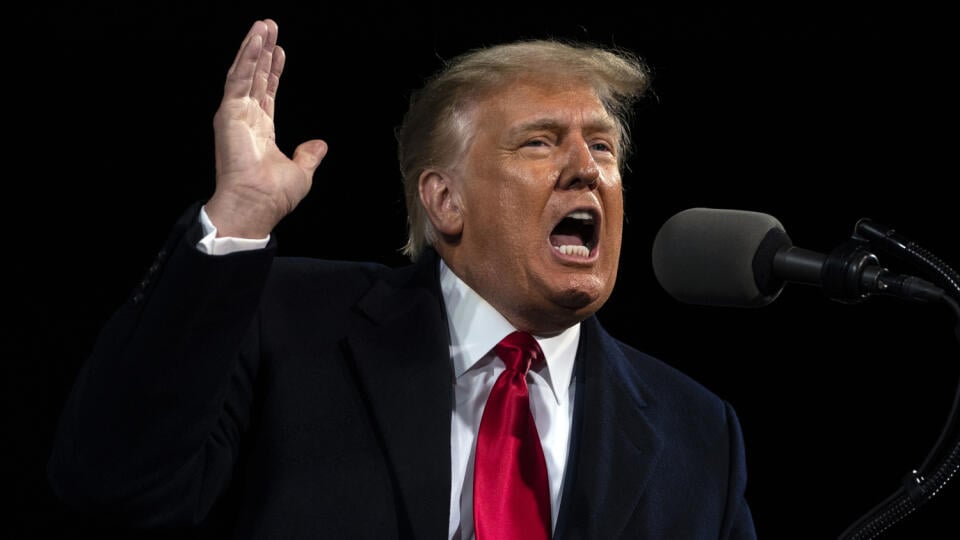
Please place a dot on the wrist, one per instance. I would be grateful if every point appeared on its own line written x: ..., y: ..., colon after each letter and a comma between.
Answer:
x: 240, y: 217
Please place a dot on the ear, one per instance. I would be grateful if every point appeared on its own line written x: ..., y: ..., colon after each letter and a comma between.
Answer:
x: 441, y: 200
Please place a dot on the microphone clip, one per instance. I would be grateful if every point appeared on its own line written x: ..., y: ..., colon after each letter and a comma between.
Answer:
x: 850, y: 273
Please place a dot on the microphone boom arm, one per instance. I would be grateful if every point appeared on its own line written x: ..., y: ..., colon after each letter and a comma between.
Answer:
x: 943, y: 461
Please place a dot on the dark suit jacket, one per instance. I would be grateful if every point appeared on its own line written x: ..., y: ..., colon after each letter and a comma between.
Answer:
x: 316, y: 397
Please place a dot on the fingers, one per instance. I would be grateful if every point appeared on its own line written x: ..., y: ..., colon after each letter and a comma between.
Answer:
x: 308, y: 155
x: 264, y: 67
x: 255, y: 72
x: 273, y: 80
x: 240, y: 74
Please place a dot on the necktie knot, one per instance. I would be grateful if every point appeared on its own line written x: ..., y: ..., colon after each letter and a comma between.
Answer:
x: 519, y: 350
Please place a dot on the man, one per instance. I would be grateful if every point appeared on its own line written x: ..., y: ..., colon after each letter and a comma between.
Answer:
x: 347, y: 400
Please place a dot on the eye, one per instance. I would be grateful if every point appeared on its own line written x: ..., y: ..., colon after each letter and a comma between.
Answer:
x: 602, y: 147
x: 536, y: 143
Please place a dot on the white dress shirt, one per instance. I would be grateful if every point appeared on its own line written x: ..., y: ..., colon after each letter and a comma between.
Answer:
x: 475, y: 328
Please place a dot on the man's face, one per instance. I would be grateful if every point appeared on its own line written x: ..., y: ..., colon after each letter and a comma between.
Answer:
x: 542, y: 204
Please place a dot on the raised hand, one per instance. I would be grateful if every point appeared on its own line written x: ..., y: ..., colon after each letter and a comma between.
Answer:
x: 257, y: 184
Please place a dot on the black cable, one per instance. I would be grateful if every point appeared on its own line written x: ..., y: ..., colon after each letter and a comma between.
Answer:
x: 942, y: 464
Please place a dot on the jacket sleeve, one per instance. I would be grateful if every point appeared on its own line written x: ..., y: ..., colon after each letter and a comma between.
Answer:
x: 739, y: 520
x: 151, y: 429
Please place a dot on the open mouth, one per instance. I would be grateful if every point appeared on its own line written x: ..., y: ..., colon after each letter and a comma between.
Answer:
x: 575, y: 235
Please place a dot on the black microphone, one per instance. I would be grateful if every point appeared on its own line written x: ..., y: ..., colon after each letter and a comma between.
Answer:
x: 740, y: 258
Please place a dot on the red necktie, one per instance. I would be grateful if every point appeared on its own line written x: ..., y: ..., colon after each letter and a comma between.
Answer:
x: 511, y: 495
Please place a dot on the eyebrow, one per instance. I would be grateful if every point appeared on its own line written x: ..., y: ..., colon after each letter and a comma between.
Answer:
x: 551, y: 124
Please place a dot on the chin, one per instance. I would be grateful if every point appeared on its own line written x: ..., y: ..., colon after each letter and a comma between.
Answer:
x: 569, y: 301
x: 583, y: 292
x: 576, y: 300
x: 579, y: 304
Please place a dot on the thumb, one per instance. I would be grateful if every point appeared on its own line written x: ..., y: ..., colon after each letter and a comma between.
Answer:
x: 308, y: 155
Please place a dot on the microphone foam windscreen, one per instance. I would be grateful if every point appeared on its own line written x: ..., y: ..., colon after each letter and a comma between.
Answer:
x: 706, y: 256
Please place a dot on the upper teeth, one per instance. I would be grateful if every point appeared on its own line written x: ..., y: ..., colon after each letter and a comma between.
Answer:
x: 580, y: 214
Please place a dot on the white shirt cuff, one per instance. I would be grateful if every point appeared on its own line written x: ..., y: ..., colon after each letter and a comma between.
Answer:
x: 211, y: 245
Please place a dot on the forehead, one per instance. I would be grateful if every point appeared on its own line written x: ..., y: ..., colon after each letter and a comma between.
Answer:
x: 540, y: 103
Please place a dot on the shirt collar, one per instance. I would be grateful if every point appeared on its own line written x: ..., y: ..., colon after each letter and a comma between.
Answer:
x: 476, y: 327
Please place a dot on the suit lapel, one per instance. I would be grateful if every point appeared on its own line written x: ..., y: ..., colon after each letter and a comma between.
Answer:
x: 616, y: 446
x: 402, y: 363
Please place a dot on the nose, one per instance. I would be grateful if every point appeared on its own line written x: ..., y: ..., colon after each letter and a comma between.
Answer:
x: 581, y: 170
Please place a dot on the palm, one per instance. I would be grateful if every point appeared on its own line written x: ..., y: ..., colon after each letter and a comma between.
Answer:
x: 248, y: 157
x: 251, y: 170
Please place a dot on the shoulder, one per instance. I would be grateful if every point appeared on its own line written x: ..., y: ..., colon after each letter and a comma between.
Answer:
x: 307, y: 270
x: 663, y: 375
x: 302, y: 279
x: 666, y: 388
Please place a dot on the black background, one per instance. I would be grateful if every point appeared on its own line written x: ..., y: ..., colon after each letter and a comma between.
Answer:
x: 817, y: 115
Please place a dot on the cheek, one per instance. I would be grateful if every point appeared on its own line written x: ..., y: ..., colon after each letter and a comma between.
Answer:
x: 507, y: 200
x: 521, y: 197
x: 613, y: 206
x: 613, y: 214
